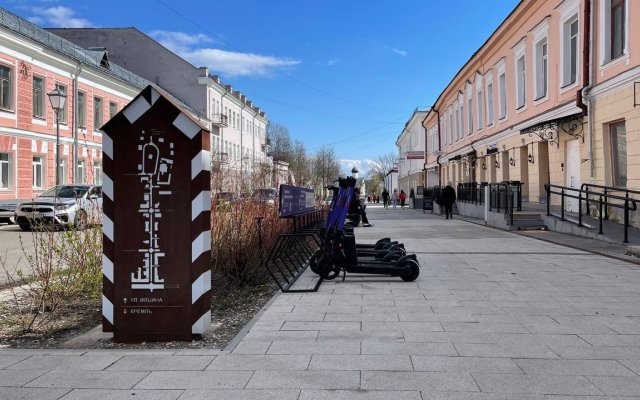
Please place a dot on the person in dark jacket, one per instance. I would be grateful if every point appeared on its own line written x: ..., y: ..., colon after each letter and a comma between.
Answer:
x: 385, y: 198
x: 356, y: 207
x: 448, y: 198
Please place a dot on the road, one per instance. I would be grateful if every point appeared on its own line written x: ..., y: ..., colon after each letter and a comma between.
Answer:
x: 12, y: 255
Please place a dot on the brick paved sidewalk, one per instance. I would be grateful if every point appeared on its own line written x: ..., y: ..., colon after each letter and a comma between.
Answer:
x: 493, y: 315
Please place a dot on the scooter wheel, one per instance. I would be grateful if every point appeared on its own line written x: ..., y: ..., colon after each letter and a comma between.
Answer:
x: 392, y: 257
x: 326, y: 269
x: 412, y: 270
x: 398, y: 249
x: 313, y: 261
x: 381, y: 243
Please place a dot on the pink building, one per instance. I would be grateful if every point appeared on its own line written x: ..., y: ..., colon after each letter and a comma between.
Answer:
x: 34, y: 62
x: 553, y: 95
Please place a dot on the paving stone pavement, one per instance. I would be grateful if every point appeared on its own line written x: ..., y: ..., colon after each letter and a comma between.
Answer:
x: 493, y: 315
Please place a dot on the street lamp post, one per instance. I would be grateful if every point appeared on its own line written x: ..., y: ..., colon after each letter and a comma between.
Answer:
x: 58, y: 100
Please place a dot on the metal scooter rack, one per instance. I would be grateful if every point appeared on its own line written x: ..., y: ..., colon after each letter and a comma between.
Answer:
x: 292, y: 252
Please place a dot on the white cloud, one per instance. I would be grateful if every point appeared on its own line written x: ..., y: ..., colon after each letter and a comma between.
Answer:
x: 58, y: 17
x: 227, y: 63
x: 364, y: 166
x: 403, y: 53
x: 331, y: 63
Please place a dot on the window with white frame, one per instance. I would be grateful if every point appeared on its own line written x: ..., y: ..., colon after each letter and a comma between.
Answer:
x: 502, y: 95
x: 97, y: 173
x: 38, y: 172
x: 521, y: 82
x: 570, y: 51
x: 451, y: 127
x: 614, y: 20
x: 443, y: 132
x: 62, y: 114
x: 489, y: 103
x: 38, y: 97
x: 519, y: 52
x: 460, y: 119
x: 97, y: 113
x: 82, y: 110
x: 6, y: 88
x: 62, y: 171
x: 618, y: 140
x: 480, y: 103
x: 5, y: 171
x: 81, y: 176
x: 470, y: 115
x: 113, y: 109
x: 542, y: 68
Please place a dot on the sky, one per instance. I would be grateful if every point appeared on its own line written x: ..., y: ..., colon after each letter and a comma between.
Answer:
x: 346, y: 74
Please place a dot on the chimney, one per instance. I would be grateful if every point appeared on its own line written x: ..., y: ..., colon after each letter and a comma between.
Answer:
x: 228, y: 88
x: 249, y: 104
x: 216, y: 79
x: 236, y: 93
x: 262, y: 113
x: 243, y: 98
x: 204, y: 71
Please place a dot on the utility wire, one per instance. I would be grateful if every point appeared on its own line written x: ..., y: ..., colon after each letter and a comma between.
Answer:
x: 300, y: 82
x: 321, y: 112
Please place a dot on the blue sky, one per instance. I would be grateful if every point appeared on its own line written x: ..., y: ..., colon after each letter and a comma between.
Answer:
x: 342, y: 73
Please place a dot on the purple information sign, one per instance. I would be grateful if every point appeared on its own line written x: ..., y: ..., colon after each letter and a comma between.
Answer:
x: 295, y: 200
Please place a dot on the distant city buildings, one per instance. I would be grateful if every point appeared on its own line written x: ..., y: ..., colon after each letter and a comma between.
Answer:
x: 100, y: 71
x: 552, y: 96
x: 411, y: 150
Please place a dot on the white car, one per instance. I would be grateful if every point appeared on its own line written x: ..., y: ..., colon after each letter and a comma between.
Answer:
x: 62, y: 206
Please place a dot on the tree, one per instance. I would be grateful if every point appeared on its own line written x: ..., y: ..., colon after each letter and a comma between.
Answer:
x: 299, y: 164
x: 325, y: 168
x: 384, y: 164
x: 281, y: 146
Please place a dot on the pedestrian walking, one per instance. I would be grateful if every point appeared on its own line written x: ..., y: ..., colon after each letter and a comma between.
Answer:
x: 385, y: 198
x: 448, y: 198
x: 403, y: 198
x: 394, y: 198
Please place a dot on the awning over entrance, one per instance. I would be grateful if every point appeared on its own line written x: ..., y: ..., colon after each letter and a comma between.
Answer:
x: 550, y: 130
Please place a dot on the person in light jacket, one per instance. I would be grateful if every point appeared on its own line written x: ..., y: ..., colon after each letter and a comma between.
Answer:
x: 394, y: 198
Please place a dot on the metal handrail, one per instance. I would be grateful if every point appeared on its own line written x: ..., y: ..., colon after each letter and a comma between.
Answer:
x: 629, y: 204
x: 495, y: 198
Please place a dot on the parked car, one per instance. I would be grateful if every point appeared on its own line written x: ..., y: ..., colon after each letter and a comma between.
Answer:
x: 62, y: 206
x: 6, y: 213
x: 266, y: 196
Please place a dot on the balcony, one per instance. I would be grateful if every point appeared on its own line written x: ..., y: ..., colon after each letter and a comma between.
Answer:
x: 219, y: 120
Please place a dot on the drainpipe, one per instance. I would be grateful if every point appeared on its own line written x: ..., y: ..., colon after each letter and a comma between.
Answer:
x: 586, y: 58
x: 253, y: 147
x: 74, y: 124
x: 241, y: 147
x: 585, y: 90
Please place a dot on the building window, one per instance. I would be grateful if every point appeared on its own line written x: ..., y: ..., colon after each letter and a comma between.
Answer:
x: 617, y: 29
x: 470, y: 116
x: 97, y: 173
x: 542, y: 69
x: 80, y: 172
x: 97, y: 113
x: 521, y: 83
x: 619, y: 153
x: 462, y: 118
x: 38, y: 172
x: 451, y: 127
x: 62, y: 114
x: 113, y: 109
x: 570, y: 53
x: 82, y: 110
x: 5, y: 173
x: 38, y: 97
x: 6, y: 88
x: 480, y: 103
x: 62, y: 171
x: 502, y: 96
x: 490, y: 104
